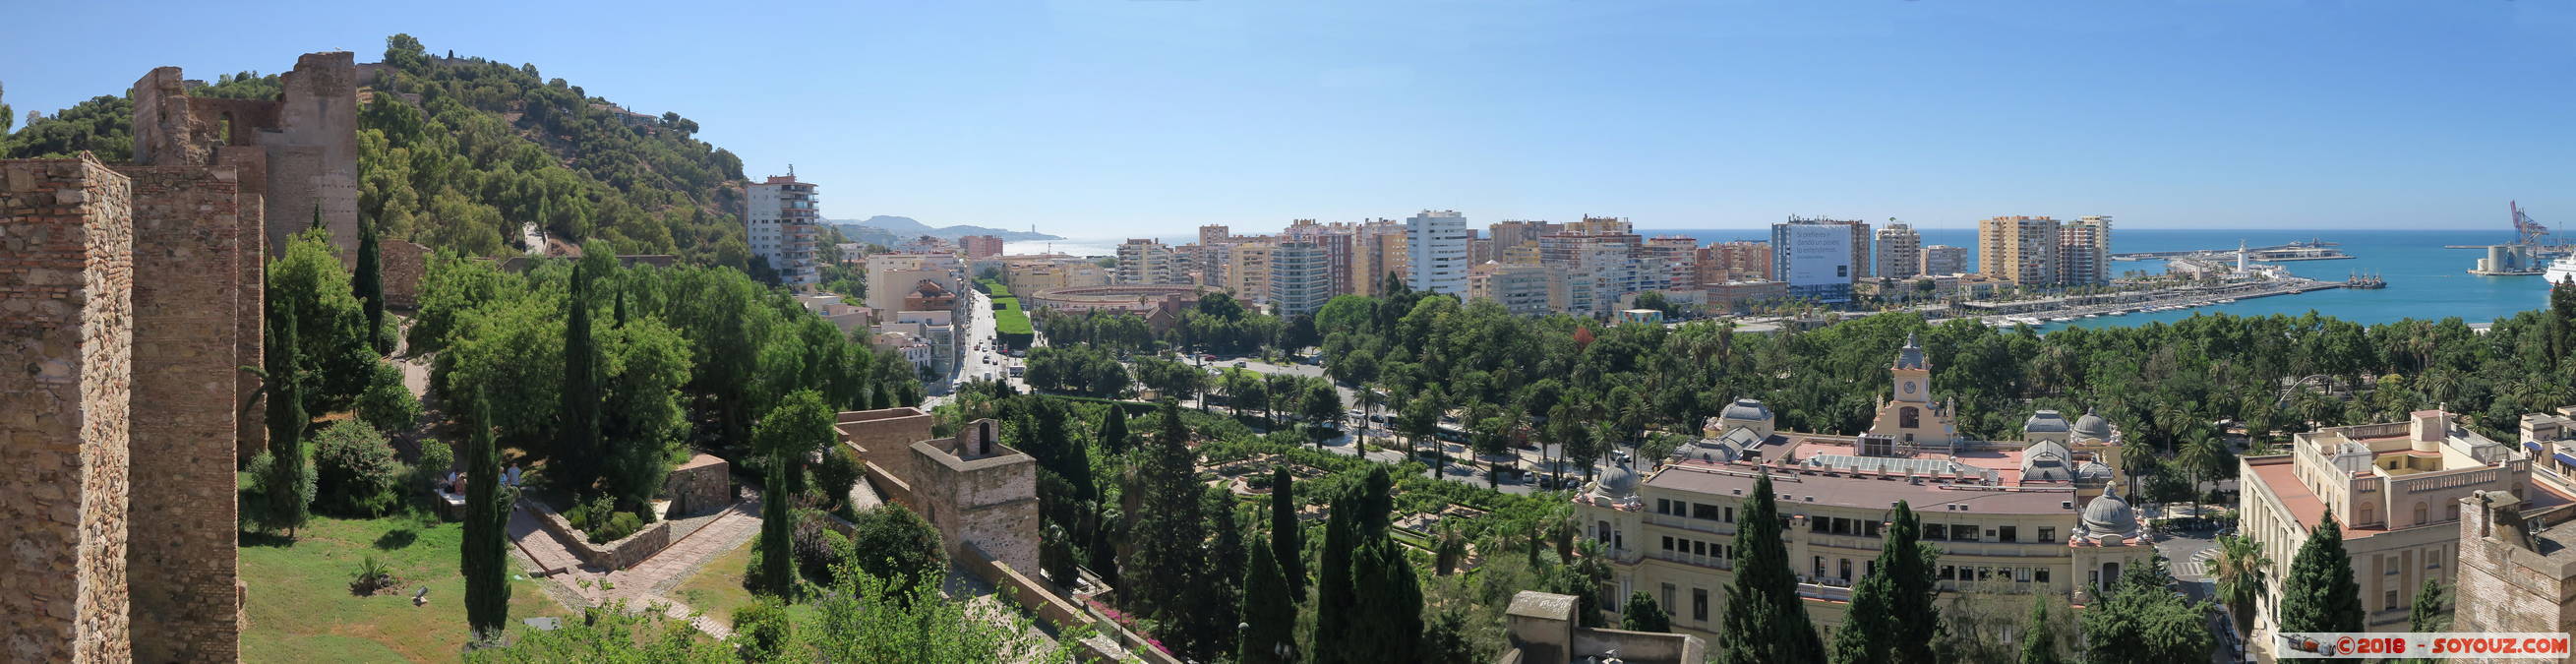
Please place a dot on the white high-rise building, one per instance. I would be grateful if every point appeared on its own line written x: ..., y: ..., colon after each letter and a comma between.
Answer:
x: 1900, y: 252
x: 781, y: 220
x: 1435, y: 247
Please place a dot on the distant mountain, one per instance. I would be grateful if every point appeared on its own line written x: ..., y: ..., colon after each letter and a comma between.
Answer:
x: 906, y: 227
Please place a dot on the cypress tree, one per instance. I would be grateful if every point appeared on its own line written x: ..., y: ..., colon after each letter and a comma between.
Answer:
x: 1892, y: 611
x: 2039, y: 635
x: 487, y: 519
x: 1350, y: 589
x: 2320, y: 595
x: 1269, y: 611
x: 1287, y: 538
x: 1215, y: 591
x: 289, y: 482
x: 1389, y: 625
x: 1764, y: 620
x: 1113, y: 430
x: 777, y: 564
x: 579, y: 450
x: 369, y: 285
x: 2428, y: 613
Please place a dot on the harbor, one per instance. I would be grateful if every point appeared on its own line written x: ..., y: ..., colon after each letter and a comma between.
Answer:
x: 2037, y: 313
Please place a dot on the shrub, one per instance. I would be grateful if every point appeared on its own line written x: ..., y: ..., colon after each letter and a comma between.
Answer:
x: 893, y: 543
x: 818, y: 547
x: 371, y: 577
x: 386, y: 403
x: 264, y: 482
x: 602, y: 522
x: 355, y: 470
x: 838, y: 473
x: 761, y: 631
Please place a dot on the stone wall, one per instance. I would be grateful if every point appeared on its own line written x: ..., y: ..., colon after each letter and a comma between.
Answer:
x: 309, y: 139
x: 980, y: 492
x: 702, y: 485
x: 885, y: 436
x: 182, y: 532
x: 620, y: 554
x: 402, y: 264
x: 2503, y: 587
x: 66, y: 338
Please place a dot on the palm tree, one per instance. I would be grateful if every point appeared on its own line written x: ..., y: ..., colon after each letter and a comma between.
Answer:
x: 2241, y: 569
x: 2201, y: 457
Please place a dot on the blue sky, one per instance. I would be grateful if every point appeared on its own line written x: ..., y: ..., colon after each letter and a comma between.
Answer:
x: 1100, y: 118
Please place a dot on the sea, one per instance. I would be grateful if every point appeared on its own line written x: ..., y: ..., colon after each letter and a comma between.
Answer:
x: 2425, y: 281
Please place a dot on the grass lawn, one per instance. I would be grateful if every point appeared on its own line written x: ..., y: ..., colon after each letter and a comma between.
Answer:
x: 299, y: 607
x: 716, y: 590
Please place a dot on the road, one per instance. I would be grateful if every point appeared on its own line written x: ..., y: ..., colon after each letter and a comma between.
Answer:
x: 978, y: 357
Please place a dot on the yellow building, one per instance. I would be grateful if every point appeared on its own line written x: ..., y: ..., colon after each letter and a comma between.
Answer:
x: 2018, y: 250
x: 2011, y: 517
x: 2395, y: 488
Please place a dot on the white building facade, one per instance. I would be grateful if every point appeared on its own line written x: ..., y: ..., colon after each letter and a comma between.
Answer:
x: 781, y: 220
x: 1435, y: 244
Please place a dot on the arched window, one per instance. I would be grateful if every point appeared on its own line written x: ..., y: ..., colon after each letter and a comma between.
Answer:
x: 1602, y: 530
x: 1909, y: 417
x: 2368, y: 515
x: 2423, y: 512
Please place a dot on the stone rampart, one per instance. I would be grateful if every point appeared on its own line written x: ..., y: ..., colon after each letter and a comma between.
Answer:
x: 402, y: 264
x: 182, y: 530
x: 66, y: 340
x: 620, y: 554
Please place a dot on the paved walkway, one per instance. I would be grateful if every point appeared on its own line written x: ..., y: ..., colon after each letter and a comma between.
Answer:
x: 647, y: 583
x: 549, y: 555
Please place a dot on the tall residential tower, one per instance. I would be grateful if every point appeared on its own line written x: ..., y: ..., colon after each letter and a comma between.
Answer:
x: 781, y: 219
x: 1435, y: 243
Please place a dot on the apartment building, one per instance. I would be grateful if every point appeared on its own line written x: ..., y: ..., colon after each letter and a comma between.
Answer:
x: 981, y: 246
x: 1900, y: 253
x: 1943, y: 260
x: 1247, y: 272
x: 1525, y: 289
x: 1815, y: 258
x: 1301, y: 278
x: 781, y: 220
x: 1146, y: 261
x: 2019, y: 250
x: 1734, y: 261
x: 1436, y: 252
x: 2084, y: 251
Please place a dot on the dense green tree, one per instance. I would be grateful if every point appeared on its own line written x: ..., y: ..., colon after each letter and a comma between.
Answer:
x: 2039, y: 636
x: 486, y: 557
x: 1168, y: 530
x: 2320, y: 595
x: 774, y: 561
x: 1892, y: 609
x: 2429, y: 613
x: 1214, y: 596
x: 1764, y: 621
x: 1356, y: 584
x: 2240, y: 570
x: 799, y: 427
x: 2142, y: 620
x: 332, y: 339
x: 1287, y: 536
x: 893, y: 543
x: 1642, y: 615
x: 577, y: 450
x: 1113, y: 437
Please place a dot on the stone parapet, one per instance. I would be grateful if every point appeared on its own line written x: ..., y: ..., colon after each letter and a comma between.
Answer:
x: 620, y: 554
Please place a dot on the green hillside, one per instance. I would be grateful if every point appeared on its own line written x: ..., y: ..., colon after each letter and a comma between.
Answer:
x: 456, y: 152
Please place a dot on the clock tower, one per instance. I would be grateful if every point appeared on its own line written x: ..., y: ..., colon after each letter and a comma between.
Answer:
x: 1911, y: 373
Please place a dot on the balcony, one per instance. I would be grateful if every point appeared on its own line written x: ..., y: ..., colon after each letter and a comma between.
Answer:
x: 1687, y: 523
x: 1711, y: 562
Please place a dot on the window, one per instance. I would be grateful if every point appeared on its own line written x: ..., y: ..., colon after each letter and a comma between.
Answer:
x: 1704, y: 511
x: 2388, y: 600
x: 1730, y: 515
x: 2008, y: 534
x: 1845, y: 568
x: 1668, y: 594
x: 2047, y: 533
x: 1909, y: 417
x: 1699, y: 604
x: 1869, y: 528
x: 1699, y: 548
x: 1948, y: 573
x: 2040, y: 575
x: 1663, y: 506
x: 1668, y: 543
x: 1603, y: 531
x: 1820, y: 566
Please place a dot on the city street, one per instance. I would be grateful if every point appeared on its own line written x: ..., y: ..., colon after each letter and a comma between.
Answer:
x: 978, y: 358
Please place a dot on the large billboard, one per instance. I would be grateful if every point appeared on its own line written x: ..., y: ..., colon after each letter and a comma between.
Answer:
x: 1816, y: 255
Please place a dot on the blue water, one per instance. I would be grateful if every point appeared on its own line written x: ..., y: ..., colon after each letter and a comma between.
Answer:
x: 2425, y: 281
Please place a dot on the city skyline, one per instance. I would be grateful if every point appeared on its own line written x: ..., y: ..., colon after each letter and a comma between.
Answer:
x: 1096, y: 119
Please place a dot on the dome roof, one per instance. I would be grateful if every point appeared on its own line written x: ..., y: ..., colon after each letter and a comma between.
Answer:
x: 1745, y: 409
x: 2046, y: 461
x: 2046, y: 421
x: 1615, y: 482
x: 2092, y: 471
x: 2092, y: 427
x: 2109, y: 514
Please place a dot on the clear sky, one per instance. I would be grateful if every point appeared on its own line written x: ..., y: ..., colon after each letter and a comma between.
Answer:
x: 1096, y: 118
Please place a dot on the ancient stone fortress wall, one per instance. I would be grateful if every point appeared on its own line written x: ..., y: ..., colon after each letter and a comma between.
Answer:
x: 704, y: 484
x: 66, y: 340
x: 980, y: 492
x: 181, y: 529
x: 884, y: 437
x: 402, y: 264
x: 308, y: 137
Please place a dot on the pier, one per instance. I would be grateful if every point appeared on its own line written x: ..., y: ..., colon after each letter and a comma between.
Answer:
x: 2062, y: 310
x: 2312, y: 250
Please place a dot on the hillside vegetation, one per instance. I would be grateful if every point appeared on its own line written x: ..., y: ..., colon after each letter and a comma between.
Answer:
x: 455, y: 153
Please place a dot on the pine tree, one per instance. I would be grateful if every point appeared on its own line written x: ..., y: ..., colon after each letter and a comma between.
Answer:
x: 487, y: 520
x: 1892, y: 611
x: 1269, y: 612
x: 2320, y: 595
x: 1765, y: 623
x: 1643, y: 615
x: 2039, y: 635
x: 288, y: 480
x: 1169, y: 531
x: 1287, y: 537
x: 579, y: 450
x: 1113, y: 430
x: 369, y: 284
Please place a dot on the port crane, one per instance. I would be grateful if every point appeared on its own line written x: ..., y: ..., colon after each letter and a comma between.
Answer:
x: 2526, y: 231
